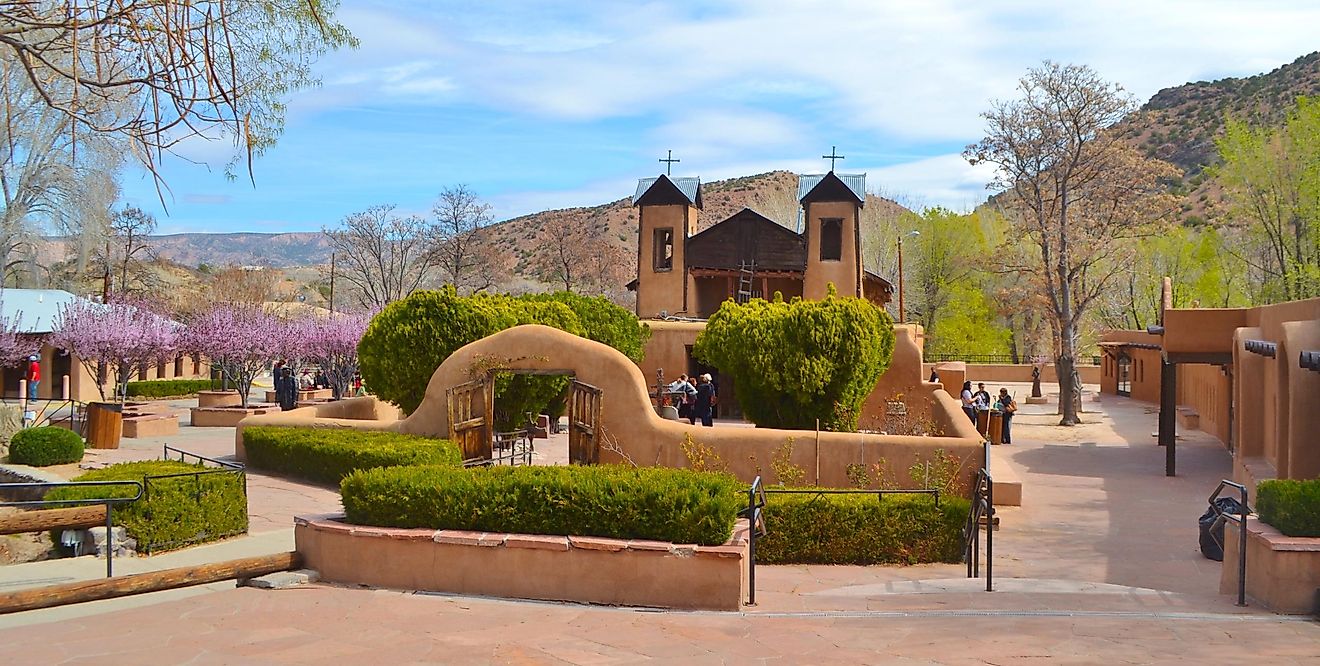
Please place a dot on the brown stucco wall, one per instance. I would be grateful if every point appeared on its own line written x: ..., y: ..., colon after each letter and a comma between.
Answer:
x: 526, y: 566
x: 1283, y: 573
x: 845, y: 274
x: 1020, y: 372
x: 664, y: 290
x: 667, y: 349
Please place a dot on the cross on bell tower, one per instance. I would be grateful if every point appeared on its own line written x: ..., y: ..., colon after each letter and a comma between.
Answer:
x: 669, y: 163
x: 834, y: 155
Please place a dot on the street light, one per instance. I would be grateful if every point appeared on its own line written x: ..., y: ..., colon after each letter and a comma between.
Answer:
x: 902, y: 314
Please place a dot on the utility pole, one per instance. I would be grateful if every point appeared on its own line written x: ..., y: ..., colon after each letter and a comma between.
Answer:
x: 105, y: 284
x: 332, y: 283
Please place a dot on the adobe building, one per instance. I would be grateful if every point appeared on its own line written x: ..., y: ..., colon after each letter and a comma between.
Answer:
x: 1245, y: 375
x: 686, y: 270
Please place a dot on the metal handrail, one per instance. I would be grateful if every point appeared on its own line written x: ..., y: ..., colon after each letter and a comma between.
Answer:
x: 755, y: 529
x: 229, y: 464
x: 1241, y: 519
x: 45, y: 415
x: 109, y: 502
x: 983, y: 506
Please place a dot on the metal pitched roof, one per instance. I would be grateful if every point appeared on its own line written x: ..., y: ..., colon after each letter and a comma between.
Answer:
x: 689, y: 186
x: 855, y: 182
x: 35, y: 309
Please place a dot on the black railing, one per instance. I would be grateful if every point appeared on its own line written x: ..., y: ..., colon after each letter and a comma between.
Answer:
x: 1220, y: 517
x: 1309, y: 360
x: 199, y: 489
x: 512, y: 448
x: 109, y: 503
x: 999, y: 359
x: 982, y: 511
x: 68, y: 414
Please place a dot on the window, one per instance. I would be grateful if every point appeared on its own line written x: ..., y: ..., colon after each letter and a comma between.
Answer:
x: 831, y: 239
x: 664, y: 249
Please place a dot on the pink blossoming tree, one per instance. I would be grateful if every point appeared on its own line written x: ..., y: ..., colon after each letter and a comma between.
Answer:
x: 115, y: 339
x: 15, y: 346
x: 331, y: 343
x: 241, y: 338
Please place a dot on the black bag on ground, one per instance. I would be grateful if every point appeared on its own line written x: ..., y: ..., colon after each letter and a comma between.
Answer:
x: 1212, y: 535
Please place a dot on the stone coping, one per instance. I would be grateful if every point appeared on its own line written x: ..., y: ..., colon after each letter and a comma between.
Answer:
x: 1277, y: 540
x: 334, y: 523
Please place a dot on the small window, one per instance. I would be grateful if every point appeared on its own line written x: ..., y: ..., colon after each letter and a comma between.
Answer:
x: 831, y: 239
x: 664, y: 249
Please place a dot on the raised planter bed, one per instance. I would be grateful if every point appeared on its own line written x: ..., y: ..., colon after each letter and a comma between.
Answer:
x: 150, y: 425
x: 305, y: 396
x: 1283, y: 572
x: 219, y: 399
x: 227, y: 417
x: 527, y: 566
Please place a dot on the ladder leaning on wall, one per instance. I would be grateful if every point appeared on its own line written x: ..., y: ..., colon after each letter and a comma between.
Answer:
x: 746, y: 275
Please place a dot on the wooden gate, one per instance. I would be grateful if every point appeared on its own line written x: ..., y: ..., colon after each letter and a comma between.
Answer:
x: 470, y: 409
x: 583, y: 424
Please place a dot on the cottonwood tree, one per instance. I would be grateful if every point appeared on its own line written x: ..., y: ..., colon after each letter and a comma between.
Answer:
x: 243, y: 284
x: 174, y: 69
x: 384, y: 256
x: 113, y: 340
x: 582, y: 262
x: 1272, y: 177
x: 127, y: 248
x: 1075, y: 190
x: 459, y: 216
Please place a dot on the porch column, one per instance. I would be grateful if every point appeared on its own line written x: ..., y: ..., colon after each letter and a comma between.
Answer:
x: 1168, y: 414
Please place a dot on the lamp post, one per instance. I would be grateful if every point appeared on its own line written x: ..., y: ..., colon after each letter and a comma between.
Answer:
x: 902, y: 314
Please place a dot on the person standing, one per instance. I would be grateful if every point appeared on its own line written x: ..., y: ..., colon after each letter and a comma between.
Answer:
x: 1008, y: 407
x: 702, y: 404
x: 286, y: 389
x: 33, y: 377
x: 968, y: 405
x: 981, y: 398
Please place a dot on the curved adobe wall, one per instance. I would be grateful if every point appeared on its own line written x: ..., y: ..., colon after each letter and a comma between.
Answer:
x: 629, y: 420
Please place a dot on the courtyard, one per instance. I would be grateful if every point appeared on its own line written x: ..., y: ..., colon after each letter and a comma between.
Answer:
x: 1101, y: 557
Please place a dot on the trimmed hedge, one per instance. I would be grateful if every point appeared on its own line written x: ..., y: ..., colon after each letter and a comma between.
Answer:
x: 326, y: 456
x: 861, y: 529
x: 44, y: 446
x: 1292, y: 506
x: 167, y: 388
x: 172, y: 512
x: 676, y: 505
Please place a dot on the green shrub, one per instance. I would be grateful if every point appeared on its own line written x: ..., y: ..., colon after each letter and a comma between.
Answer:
x: 431, y: 325
x: 861, y: 529
x: 677, y: 505
x: 45, y: 446
x: 172, y: 512
x: 1291, y: 506
x: 326, y: 456
x: 167, y: 388
x: 800, y: 361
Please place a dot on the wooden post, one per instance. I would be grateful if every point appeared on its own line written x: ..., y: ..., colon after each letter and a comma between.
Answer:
x: 1168, y: 413
x: 64, y: 390
x: 52, y: 519
x: 153, y: 581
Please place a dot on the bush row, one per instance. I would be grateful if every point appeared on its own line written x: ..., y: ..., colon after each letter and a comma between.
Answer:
x: 173, y: 512
x: 675, y: 505
x: 44, y: 446
x: 861, y: 529
x: 167, y: 388
x: 1292, y: 506
x: 326, y: 456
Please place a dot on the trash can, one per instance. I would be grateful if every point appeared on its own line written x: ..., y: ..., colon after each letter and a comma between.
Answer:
x: 105, y: 424
x: 1212, y: 535
x: 996, y: 435
x: 983, y: 421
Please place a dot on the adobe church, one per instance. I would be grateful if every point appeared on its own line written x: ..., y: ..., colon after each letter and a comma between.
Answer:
x: 687, y: 270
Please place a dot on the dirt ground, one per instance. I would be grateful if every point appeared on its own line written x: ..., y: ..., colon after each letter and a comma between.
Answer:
x: 20, y: 548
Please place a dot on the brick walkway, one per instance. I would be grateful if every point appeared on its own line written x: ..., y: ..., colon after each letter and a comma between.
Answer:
x: 1099, y: 565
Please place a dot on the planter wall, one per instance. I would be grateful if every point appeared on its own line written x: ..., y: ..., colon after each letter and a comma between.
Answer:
x: 219, y: 399
x: 1283, y: 572
x: 527, y: 566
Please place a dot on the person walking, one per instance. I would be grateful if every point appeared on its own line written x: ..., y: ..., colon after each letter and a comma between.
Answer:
x: 968, y: 405
x: 1008, y: 407
x: 704, y: 402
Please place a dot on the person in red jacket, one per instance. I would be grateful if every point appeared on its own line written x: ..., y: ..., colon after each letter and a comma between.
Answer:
x: 33, y: 376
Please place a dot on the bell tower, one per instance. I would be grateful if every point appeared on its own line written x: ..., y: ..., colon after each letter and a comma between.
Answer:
x: 832, y: 215
x: 667, y: 210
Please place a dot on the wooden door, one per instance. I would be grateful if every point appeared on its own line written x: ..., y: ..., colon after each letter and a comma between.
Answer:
x: 583, y: 424
x: 470, y: 409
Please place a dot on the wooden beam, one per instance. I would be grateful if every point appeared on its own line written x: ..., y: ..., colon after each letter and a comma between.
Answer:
x: 153, y: 581
x: 53, y: 519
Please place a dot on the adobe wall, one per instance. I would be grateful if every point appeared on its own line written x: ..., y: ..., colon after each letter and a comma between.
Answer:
x: 663, y: 290
x: 846, y: 273
x: 1018, y: 373
x: 667, y: 348
x: 1207, y: 390
x: 1283, y: 572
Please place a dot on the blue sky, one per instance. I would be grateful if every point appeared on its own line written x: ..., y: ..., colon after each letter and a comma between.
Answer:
x: 540, y: 105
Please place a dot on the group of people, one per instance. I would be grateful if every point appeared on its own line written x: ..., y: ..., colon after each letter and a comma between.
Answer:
x: 287, y: 385
x: 980, y: 400
x: 695, y: 402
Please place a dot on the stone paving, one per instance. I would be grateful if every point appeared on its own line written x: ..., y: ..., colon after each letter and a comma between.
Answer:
x: 1099, y: 565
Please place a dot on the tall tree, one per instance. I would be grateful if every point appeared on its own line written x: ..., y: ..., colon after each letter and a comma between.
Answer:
x: 127, y: 249
x: 384, y: 256
x: 582, y: 262
x: 241, y: 338
x: 460, y: 215
x: 119, y: 337
x: 173, y: 69
x: 1074, y: 189
x: 1272, y: 176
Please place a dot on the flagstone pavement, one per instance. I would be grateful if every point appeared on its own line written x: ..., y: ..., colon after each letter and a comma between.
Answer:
x: 1099, y: 565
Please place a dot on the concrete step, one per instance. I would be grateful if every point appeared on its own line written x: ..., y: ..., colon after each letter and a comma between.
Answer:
x: 282, y: 580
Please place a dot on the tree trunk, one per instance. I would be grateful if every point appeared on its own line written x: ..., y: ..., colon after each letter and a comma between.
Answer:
x: 1065, y: 365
